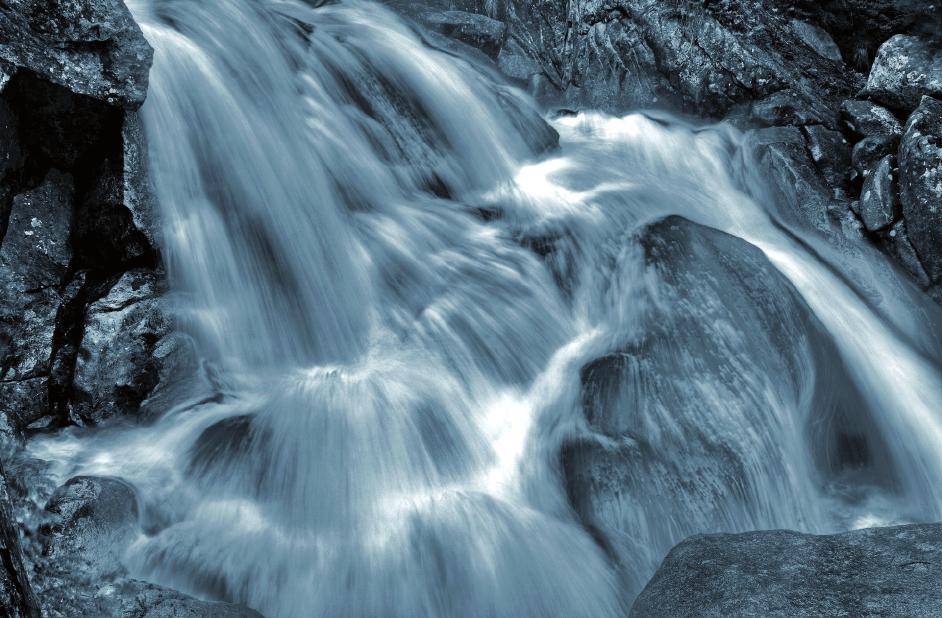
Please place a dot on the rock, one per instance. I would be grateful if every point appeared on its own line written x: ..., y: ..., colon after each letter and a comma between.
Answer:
x: 138, y: 195
x: 905, y: 69
x: 130, y: 352
x: 869, y: 151
x: 94, y: 519
x: 34, y: 260
x: 868, y: 118
x: 514, y: 62
x: 878, y: 200
x: 896, y: 242
x: 831, y: 154
x: 478, y: 31
x: 920, y: 162
x: 90, y: 47
x: 817, y: 38
x: 144, y: 600
x: 722, y: 313
x: 875, y: 572
x: 793, y: 176
x: 17, y: 599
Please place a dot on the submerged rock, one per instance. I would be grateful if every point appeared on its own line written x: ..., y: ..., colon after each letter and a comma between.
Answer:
x: 906, y: 68
x: 920, y: 163
x: 91, y: 47
x: 875, y: 572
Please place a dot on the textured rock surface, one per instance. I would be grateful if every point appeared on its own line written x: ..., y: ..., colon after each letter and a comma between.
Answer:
x: 905, y: 69
x: 144, y: 600
x: 878, y: 200
x: 920, y: 159
x: 479, y: 31
x: 875, y: 572
x: 16, y: 595
x: 91, y: 47
x: 868, y: 118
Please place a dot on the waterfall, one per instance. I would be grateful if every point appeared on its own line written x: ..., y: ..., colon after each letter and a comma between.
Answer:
x: 397, y: 282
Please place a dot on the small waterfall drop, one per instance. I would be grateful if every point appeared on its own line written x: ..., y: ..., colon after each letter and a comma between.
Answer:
x: 397, y: 284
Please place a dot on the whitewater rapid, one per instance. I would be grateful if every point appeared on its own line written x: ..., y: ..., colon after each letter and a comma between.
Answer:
x: 395, y: 280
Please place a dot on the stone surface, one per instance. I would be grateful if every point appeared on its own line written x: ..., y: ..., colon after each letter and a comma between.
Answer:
x: 818, y: 39
x: 874, y: 572
x: 91, y: 47
x: 878, y: 198
x: 867, y: 118
x: 34, y: 260
x: 130, y: 350
x: 144, y: 600
x: 478, y: 31
x: 906, y: 68
x: 672, y: 452
x: 920, y: 162
x: 17, y: 599
x: 869, y: 151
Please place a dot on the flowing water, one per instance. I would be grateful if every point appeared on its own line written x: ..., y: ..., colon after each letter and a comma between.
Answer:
x: 396, y: 286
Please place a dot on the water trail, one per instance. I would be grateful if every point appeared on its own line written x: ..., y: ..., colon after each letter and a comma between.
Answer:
x: 399, y: 290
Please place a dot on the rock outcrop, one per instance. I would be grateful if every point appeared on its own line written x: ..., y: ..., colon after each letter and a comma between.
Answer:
x: 875, y: 572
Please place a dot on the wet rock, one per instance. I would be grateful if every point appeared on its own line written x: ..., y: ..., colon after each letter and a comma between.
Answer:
x: 874, y: 572
x: 896, y: 242
x: 870, y: 150
x: 130, y: 353
x: 792, y: 174
x: 816, y: 38
x: 90, y: 47
x: 866, y: 118
x: 878, y: 204
x: 514, y: 62
x: 17, y: 599
x: 660, y: 440
x: 831, y: 154
x: 34, y: 259
x: 906, y: 68
x: 145, y: 600
x: 93, y: 521
x: 920, y: 162
x: 138, y: 194
x: 478, y: 31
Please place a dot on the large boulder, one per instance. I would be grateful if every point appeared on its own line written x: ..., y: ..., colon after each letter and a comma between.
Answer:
x: 130, y: 351
x: 876, y: 572
x: 729, y: 380
x: 479, y: 31
x: 90, y: 47
x: 920, y: 162
x: 906, y: 68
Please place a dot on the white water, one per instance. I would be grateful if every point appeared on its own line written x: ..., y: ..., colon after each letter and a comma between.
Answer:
x: 399, y: 373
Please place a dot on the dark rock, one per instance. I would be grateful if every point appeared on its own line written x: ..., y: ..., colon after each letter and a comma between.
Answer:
x: 817, y: 38
x: 34, y: 259
x: 870, y: 150
x: 722, y: 313
x: 878, y: 205
x: 905, y: 69
x: 896, y: 242
x: 920, y: 162
x: 130, y: 352
x: 866, y: 118
x: 145, y: 600
x: 831, y: 154
x: 138, y: 194
x: 875, y: 572
x: 90, y: 47
x: 16, y: 595
x: 478, y: 31
x: 792, y: 174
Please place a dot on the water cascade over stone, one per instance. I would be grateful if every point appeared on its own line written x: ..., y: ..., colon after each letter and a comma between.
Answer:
x: 458, y: 372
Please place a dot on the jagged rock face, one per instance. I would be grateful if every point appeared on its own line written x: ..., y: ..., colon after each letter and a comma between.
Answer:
x: 16, y: 595
x: 920, y: 159
x: 906, y: 68
x: 876, y: 572
x: 130, y: 350
x: 867, y: 118
x: 90, y: 47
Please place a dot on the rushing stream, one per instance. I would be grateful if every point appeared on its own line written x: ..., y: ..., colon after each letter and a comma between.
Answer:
x: 395, y: 283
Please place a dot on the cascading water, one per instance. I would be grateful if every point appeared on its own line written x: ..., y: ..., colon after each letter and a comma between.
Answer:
x: 357, y: 226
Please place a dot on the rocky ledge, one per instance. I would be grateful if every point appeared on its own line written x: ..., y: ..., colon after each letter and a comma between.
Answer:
x: 875, y: 572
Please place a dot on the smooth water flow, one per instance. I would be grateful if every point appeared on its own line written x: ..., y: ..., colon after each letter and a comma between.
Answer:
x: 397, y: 287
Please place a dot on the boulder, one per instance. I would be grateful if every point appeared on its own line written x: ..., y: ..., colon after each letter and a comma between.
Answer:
x: 90, y: 47
x: 130, y: 351
x: 874, y: 572
x: 878, y: 204
x: 896, y: 242
x: 35, y: 255
x: 685, y: 434
x: 920, y: 163
x: 478, y: 31
x: 868, y: 152
x: 867, y: 118
x: 817, y: 38
x: 145, y: 600
x: 906, y: 68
